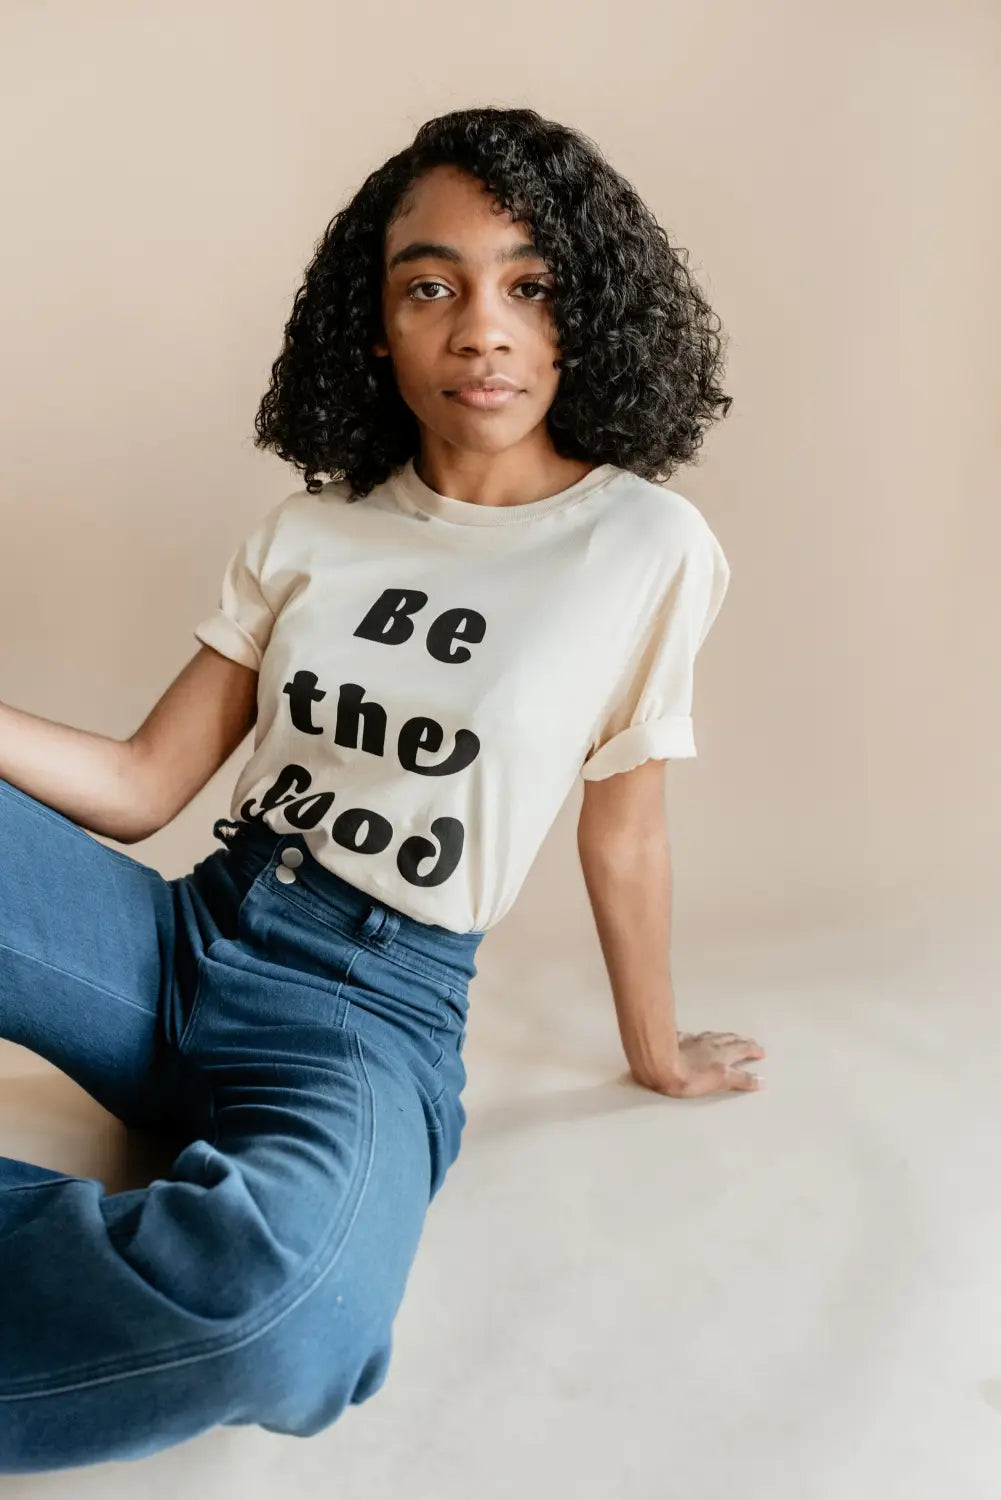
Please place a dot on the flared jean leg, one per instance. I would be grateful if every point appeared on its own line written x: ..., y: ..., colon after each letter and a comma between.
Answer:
x: 257, y: 1284
x: 258, y: 1281
x: 87, y: 977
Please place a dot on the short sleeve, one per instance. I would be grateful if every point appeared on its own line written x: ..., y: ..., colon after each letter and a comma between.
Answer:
x: 241, y: 626
x: 651, y: 716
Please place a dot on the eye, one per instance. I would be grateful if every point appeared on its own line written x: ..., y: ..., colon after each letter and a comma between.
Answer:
x: 535, y: 286
x: 416, y: 287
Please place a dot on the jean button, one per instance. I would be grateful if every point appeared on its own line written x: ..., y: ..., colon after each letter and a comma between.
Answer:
x: 285, y: 875
x: 292, y: 857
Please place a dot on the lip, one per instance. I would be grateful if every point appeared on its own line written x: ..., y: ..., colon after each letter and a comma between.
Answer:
x: 496, y: 380
x: 483, y: 399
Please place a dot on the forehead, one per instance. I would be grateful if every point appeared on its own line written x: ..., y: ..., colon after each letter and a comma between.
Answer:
x: 450, y: 215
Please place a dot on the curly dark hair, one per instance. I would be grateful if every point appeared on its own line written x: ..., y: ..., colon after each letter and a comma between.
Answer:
x: 640, y: 351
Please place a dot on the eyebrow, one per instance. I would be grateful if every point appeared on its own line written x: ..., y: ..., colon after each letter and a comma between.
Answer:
x: 430, y: 250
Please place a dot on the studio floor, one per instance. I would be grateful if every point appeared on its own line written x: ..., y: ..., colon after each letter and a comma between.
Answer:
x: 792, y: 1294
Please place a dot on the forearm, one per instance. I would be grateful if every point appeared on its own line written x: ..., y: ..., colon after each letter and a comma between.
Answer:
x: 91, y: 779
x: 628, y: 883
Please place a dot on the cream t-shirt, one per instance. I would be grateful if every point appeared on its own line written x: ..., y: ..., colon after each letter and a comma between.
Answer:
x: 434, y: 674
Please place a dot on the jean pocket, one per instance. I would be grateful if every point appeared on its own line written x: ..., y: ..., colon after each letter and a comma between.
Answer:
x: 244, y: 999
x: 433, y: 1101
x: 188, y: 1029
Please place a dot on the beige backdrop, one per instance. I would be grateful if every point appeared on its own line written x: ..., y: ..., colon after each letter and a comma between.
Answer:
x: 166, y: 170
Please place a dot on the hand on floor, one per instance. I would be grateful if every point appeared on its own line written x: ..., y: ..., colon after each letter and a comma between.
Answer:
x: 709, y: 1063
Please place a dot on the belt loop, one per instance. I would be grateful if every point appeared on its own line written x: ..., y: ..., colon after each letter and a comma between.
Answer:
x: 380, y: 925
x: 391, y: 925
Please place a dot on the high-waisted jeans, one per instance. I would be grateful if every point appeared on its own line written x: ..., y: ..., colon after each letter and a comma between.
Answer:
x: 302, y: 1042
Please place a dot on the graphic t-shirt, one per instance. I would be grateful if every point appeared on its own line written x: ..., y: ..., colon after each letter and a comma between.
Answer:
x: 434, y: 674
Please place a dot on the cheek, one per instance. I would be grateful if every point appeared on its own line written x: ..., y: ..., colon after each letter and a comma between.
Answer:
x: 413, y: 362
x: 547, y: 381
x: 415, y: 343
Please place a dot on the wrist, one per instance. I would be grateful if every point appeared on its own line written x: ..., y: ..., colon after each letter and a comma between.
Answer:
x: 659, y: 1073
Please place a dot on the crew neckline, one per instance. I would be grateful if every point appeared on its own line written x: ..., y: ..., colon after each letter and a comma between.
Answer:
x: 420, y: 497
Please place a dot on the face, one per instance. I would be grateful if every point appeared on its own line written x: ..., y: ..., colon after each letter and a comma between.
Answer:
x: 465, y: 295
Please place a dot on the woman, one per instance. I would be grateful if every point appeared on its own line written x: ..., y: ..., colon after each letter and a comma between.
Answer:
x: 494, y: 355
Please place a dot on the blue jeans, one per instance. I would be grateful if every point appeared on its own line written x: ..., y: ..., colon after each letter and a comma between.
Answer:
x: 302, y: 1043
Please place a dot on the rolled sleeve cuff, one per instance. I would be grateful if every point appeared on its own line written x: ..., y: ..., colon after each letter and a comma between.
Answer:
x: 659, y: 739
x: 229, y: 639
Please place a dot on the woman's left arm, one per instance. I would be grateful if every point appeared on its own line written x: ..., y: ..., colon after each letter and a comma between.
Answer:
x: 625, y: 858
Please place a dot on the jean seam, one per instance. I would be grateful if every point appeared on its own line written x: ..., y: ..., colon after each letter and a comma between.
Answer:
x: 439, y: 1096
x: 288, y: 1297
x: 42, y: 810
x: 77, y: 978
x: 299, y: 976
x: 33, y: 1187
x: 427, y: 968
x: 348, y: 1004
x: 433, y: 972
x: 188, y: 1028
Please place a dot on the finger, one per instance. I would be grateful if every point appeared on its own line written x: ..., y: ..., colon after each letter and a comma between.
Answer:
x: 734, y: 1039
x: 739, y: 1079
x: 743, y: 1047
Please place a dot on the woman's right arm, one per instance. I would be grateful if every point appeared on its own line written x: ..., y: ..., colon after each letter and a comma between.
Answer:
x: 128, y: 789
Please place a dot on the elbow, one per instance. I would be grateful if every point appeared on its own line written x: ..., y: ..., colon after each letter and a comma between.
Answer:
x: 145, y: 798
x: 140, y: 829
x: 624, y: 817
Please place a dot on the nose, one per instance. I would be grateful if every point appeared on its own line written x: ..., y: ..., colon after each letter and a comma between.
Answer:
x: 480, y: 324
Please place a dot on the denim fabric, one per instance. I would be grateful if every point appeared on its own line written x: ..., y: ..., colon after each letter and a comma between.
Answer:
x: 302, y: 1041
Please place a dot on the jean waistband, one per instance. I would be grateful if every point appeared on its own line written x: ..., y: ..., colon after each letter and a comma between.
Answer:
x: 376, y: 920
